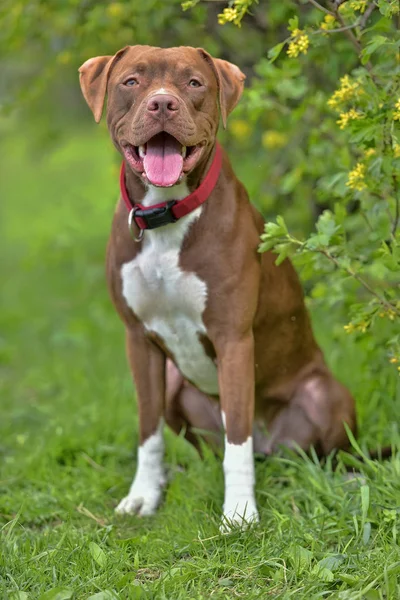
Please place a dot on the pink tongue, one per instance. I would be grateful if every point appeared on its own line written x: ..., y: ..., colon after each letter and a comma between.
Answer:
x: 163, y: 161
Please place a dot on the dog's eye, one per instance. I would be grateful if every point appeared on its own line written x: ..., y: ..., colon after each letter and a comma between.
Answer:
x: 195, y: 83
x: 131, y: 81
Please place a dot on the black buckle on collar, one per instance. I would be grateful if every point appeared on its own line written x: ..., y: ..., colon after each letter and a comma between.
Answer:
x: 157, y: 217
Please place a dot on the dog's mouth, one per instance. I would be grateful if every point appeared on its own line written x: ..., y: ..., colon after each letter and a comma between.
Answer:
x: 162, y: 160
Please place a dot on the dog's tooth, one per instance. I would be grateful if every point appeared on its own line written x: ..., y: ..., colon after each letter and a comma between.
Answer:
x: 183, y: 151
x: 142, y: 152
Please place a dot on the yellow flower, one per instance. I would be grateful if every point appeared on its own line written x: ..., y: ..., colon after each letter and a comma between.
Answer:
x: 293, y: 50
x: 299, y: 43
x: 274, y: 139
x: 369, y: 152
x: 229, y: 15
x: 240, y: 129
x: 360, y: 5
x: 363, y: 326
x: 356, y: 178
x: 115, y: 9
x: 394, y: 360
x: 303, y: 42
x: 349, y: 328
x: 344, y: 118
x: 396, y: 114
x: 396, y: 150
x: 64, y: 58
x: 328, y: 22
x: 347, y: 91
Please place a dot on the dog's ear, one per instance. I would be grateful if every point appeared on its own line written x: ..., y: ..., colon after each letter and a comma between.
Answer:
x: 93, y: 77
x: 230, y: 81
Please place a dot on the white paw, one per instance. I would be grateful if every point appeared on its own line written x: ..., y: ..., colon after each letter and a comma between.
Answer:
x: 240, y: 514
x: 142, y: 500
x: 146, y: 490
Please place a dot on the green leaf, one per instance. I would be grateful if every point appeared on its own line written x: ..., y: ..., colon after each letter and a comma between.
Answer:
x: 275, y: 51
x: 274, y: 230
x: 366, y: 533
x: 364, y: 490
x: 353, y: 440
x: 98, y: 554
x: 301, y: 559
x: 281, y: 222
x: 284, y: 250
x: 376, y: 42
x: 332, y: 562
x: 326, y: 227
x: 313, y: 242
x: 189, y: 4
x: 366, y: 131
x: 57, y: 593
x: 349, y: 579
x: 104, y: 595
x: 18, y: 595
x: 293, y: 23
x: 340, y: 213
x: 225, y: 582
x: 323, y: 573
x: 267, y: 245
x: 290, y: 180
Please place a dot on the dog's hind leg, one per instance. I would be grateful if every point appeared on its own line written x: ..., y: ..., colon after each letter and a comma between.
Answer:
x: 190, y: 410
x: 315, y: 416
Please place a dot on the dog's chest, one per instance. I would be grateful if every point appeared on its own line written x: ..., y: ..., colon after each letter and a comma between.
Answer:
x: 170, y: 302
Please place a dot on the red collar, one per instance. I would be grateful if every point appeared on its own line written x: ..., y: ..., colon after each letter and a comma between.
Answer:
x: 160, y: 214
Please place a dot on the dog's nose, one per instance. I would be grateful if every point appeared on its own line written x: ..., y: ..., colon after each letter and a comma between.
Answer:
x: 162, y: 104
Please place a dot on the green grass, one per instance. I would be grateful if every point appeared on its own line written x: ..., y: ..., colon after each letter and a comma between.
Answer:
x: 68, y: 432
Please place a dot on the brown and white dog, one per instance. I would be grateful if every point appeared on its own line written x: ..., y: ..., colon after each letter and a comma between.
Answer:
x: 207, y: 317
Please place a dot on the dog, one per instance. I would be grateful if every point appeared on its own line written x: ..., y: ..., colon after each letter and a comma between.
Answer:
x: 218, y: 338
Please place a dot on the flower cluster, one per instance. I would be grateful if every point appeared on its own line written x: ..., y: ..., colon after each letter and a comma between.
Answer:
x: 229, y: 15
x: 299, y: 42
x: 369, y: 153
x: 347, y: 91
x: 362, y: 326
x: 274, y: 139
x: 328, y: 23
x: 360, y: 5
x: 345, y: 117
x: 396, y: 114
x: 356, y: 180
x: 115, y: 9
x: 240, y: 129
x: 394, y: 361
x: 390, y: 314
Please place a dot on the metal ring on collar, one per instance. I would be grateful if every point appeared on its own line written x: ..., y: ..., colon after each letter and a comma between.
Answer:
x: 130, y: 223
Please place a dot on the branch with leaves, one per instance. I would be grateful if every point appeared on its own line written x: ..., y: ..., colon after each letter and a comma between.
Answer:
x: 356, y: 243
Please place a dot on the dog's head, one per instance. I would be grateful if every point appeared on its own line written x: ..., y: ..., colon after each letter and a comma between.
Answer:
x: 163, y: 105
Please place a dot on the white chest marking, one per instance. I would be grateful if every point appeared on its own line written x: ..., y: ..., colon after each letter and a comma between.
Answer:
x: 169, y: 301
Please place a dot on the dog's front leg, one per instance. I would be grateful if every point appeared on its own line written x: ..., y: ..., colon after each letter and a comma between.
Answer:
x: 147, y: 363
x: 236, y: 386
